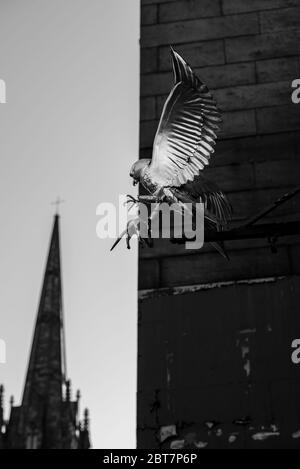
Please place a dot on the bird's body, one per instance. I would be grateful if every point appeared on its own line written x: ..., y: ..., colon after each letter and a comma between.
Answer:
x: 199, y: 190
x: 183, y: 145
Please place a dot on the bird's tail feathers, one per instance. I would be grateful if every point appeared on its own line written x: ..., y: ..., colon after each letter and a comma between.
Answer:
x: 220, y: 247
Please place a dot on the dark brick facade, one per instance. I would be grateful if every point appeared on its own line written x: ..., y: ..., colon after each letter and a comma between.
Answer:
x: 248, y: 53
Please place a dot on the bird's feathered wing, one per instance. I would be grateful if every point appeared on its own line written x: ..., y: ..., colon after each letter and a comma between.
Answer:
x: 186, y: 133
x: 207, y: 192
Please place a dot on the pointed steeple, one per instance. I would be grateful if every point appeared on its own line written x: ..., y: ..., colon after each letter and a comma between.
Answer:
x: 47, y: 417
x: 42, y: 395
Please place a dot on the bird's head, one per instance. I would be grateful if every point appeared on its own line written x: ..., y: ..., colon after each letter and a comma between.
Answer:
x: 137, y: 169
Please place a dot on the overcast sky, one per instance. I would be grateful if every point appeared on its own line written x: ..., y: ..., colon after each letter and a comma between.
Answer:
x: 70, y: 128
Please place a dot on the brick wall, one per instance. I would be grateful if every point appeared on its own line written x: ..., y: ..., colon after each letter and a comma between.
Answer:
x: 214, y: 339
x: 247, y: 52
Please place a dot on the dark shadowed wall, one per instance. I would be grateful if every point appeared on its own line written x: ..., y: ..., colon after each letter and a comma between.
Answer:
x: 214, y: 365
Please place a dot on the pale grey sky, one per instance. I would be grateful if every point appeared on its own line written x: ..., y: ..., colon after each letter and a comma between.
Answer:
x: 70, y: 128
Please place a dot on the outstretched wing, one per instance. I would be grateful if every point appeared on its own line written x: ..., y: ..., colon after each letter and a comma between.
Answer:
x: 186, y: 132
x: 216, y: 202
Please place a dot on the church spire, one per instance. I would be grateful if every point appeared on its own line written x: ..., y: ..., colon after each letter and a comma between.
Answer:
x: 42, y: 395
x: 48, y: 417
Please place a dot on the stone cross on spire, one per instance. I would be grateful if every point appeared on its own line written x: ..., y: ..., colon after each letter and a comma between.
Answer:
x: 57, y: 203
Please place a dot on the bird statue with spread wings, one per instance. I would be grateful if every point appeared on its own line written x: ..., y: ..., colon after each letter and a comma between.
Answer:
x: 183, y: 144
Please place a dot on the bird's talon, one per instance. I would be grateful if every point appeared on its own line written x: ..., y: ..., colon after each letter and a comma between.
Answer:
x: 131, y: 200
